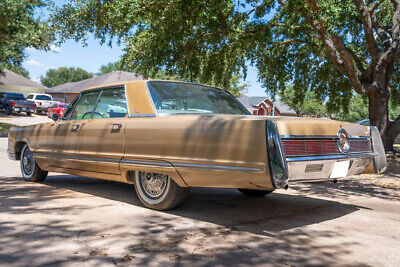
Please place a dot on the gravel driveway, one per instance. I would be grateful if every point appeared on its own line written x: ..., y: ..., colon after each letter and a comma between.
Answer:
x: 76, y: 221
x: 21, y: 119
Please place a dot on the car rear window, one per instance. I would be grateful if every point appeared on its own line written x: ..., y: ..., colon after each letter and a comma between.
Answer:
x: 63, y: 106
x: 14, y: 96
x: 43, y: 97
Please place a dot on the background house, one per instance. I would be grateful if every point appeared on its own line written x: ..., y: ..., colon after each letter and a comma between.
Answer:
x: 68, y: 91
x: 260, y: 105
x: 15, y: 83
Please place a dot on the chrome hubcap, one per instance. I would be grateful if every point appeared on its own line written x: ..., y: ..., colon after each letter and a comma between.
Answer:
x: 28, y: 162
x: 154, y: 184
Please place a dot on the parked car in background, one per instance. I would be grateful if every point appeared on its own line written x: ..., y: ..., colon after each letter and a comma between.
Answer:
x: 396, y: 140
x: 43, y: 102
x: 10, y: 102
x: 56, y: 110
x: 166, y: 137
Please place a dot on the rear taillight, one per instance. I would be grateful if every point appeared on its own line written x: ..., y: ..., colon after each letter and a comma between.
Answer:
x: 13, y: 104
x: 34, y: 105
x: 40, y: 103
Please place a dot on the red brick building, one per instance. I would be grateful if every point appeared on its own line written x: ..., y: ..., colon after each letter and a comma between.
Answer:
x: 263, y: 106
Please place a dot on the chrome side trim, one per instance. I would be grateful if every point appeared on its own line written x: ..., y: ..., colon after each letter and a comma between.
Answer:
x: 152, y: 163
x: 147, y: 163
x: 142, y: 115
x: 216, y: 167
x: 329, y: 157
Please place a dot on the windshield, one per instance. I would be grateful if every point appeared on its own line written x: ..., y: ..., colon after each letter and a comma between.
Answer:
x: 63, y: 105
x: 15, y: 97
x: 43, y: 97
x: 174, y: 97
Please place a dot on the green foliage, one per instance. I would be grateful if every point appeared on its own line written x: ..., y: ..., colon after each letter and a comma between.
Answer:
x: 54, y: 77
x: 17, y: 69
x: 310, y: 105
x: 211, y: 41
x: 356, y: 111
x: 20, y: 29
x: 109, y: 67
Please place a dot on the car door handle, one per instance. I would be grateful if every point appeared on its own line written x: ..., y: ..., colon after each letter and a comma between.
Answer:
x: 75, y: 128
x: 116, y: 127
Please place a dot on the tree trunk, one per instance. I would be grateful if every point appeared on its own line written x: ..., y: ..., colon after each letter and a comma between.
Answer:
x: 379, y: 116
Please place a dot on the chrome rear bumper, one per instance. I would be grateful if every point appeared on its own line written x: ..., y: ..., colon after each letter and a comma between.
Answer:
x: 314, y: 169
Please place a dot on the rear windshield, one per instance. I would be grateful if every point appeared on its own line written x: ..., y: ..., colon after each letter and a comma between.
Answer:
x: 14, y: 96
x: 43, y: 97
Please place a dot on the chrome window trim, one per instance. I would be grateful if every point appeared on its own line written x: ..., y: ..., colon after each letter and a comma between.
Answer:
x: 330, y: 157
x: 151, y: 99
x: 142, y: 115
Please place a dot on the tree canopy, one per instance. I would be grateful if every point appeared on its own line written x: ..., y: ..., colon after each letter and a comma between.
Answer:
x: 54, y: 77
x: 330, y: 47
x: 109, y: 67
x: 19, y: 29
x: 311, y: 104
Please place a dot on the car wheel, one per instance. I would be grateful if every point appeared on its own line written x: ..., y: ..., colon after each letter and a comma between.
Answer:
x: 28, y: 113
x: 254, y: 192
x: 55, y: 117
x: 8, y: 110
x: 158, y: 191
x: 30, y: 170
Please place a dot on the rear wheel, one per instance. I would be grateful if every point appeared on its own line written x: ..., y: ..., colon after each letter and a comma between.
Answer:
x: 28, y: 113
x: 158, y: 191
x: 30, y: 170
x: 8, y: 110
x: 254, y: 192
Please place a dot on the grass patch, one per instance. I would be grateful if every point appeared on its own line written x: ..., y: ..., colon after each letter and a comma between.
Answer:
x: 4, y: 127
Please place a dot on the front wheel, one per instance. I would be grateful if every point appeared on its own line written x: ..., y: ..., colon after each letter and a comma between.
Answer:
x: 254, y: 192
x: 158, y: 191
x: 31, y: 172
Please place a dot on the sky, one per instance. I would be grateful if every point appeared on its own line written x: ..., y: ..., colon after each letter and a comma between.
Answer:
x: 92, y: 56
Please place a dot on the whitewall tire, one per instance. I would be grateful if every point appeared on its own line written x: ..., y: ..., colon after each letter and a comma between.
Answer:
x: 158, y: 191
x: 30, y: 170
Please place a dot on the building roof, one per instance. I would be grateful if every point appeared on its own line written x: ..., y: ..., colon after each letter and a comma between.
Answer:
x: 7, y: 77
x: 108, y: 78
x: 252, y: 102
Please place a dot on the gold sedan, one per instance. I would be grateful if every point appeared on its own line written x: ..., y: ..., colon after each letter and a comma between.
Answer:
x: 166, y: 137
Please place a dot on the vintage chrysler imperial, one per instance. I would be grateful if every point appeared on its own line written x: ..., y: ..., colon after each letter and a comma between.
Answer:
x: 165, y: 137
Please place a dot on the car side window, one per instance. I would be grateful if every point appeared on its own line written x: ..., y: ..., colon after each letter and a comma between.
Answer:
x: 112, y: 104
x: 29, y: 97
x: 85, y: 105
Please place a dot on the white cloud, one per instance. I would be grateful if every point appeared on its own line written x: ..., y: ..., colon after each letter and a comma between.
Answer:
x: 50, y: 67
x: 30, y: 49
x: 33, y: 62
x: 55, y: 49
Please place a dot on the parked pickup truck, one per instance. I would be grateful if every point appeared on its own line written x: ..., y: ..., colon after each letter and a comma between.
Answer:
x: 10, y: 102
x: 43, y: 102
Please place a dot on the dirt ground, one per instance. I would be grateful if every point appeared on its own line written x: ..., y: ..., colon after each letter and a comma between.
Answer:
x: 77, y: 221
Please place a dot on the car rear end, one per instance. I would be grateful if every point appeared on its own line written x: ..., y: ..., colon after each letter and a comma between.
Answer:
x: 325, y: 150
x: 23, y: 106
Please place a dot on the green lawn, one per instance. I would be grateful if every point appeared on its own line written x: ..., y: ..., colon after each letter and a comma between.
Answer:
x: 5, y: 126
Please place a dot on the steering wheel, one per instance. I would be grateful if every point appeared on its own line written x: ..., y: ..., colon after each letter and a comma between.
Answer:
x: 90, y: 113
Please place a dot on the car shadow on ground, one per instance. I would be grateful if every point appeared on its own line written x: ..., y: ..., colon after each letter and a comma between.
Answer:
x: 224, y: 207
x: 272, y: 229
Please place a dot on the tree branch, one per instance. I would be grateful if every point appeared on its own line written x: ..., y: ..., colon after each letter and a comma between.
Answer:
x: 368, y: 29
x: 391, y: 53
x: 375, y: 6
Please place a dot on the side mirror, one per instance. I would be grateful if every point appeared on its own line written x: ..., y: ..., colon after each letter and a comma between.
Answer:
x: 55, y: 117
